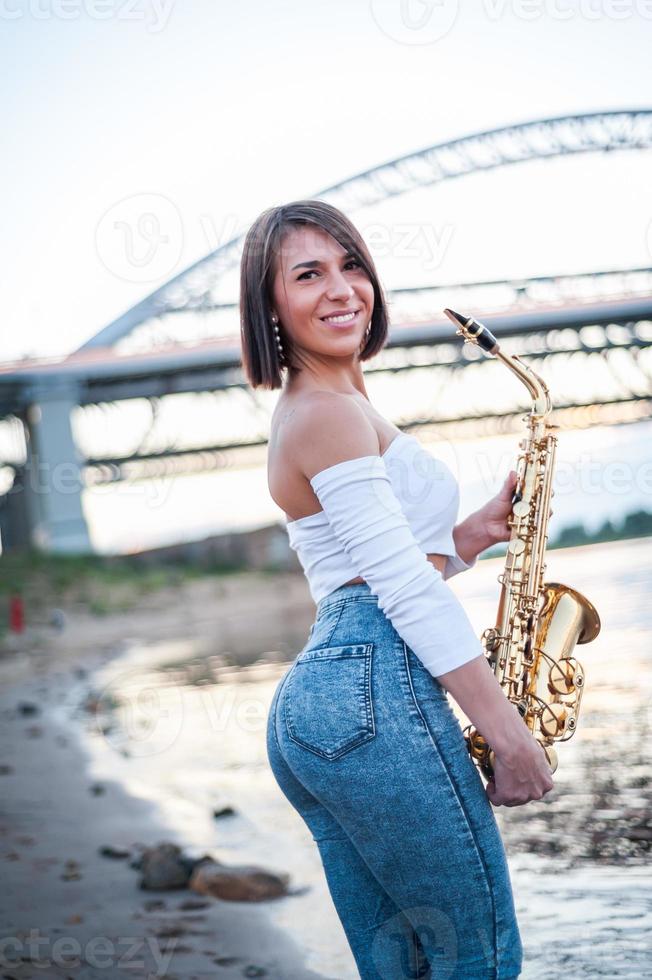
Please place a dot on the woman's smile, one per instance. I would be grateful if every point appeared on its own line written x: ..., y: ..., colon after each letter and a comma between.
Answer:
x: 339, y: 320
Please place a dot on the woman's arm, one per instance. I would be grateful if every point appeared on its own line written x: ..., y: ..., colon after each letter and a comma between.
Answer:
x: 521, y: 770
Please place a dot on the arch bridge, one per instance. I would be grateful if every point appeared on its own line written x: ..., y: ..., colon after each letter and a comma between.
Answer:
x: 591, y: 331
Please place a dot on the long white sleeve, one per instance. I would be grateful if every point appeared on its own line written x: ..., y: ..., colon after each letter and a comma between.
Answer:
x: 366, y: 517
x: 454, y: 565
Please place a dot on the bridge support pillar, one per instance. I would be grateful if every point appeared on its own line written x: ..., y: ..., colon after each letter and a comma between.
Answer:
x: 53, y: 478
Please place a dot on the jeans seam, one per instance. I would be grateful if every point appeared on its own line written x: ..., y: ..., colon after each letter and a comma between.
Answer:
x: 278, y: 701
x: 458, y: 796
x: 336, y: 624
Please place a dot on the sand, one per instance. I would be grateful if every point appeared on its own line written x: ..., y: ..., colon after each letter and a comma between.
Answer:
x: 91, y: 919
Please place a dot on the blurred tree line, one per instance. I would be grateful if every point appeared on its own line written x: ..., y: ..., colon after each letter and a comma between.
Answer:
x: 635, y: 525
x: 638, y: 524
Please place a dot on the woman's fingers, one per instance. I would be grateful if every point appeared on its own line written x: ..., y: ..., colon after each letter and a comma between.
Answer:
x: 523, y: 783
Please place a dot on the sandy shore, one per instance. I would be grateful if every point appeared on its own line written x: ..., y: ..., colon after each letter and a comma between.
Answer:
x: 90, y: 918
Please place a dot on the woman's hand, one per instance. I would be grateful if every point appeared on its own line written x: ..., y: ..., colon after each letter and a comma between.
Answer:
x: 520, y: 775
x: 487, y: 526
x: 494, y: 514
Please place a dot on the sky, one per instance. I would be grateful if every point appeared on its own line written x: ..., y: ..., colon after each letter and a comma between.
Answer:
x: 204, y: 113
x: 140, y: 134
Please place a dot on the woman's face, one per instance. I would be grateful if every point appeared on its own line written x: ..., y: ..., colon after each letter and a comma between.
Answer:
x: 321, y: 295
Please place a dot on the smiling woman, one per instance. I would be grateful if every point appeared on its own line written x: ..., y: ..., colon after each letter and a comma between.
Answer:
x: 313, y: 263
x: 361, y: 738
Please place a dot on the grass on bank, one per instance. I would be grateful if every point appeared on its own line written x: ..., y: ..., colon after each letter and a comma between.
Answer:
x: 105, y: 584
x: 99, y: 583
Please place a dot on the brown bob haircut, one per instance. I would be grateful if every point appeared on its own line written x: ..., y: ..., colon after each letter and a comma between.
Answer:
x: 260, y: 358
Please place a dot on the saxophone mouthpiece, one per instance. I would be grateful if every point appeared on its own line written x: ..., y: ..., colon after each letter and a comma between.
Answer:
x: 476, y: 332
x: 456, y: 317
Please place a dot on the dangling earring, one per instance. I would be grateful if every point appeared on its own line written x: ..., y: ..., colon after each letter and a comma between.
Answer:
x: 279, y: 345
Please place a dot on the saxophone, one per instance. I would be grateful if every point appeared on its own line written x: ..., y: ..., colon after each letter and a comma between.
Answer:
x: 530, y: 649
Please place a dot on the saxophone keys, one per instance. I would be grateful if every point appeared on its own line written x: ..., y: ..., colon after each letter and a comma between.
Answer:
x: 521, y: 509
x: 476, y: 744
x: 563, y: 676
x: 516, y: 547
x: 490, y: 637
x: 553, y: 720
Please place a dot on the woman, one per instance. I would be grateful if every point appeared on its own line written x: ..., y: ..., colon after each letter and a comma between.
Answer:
x: 361, y: 737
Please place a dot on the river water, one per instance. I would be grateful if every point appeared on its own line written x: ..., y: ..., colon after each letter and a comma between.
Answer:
x: 189, y: 733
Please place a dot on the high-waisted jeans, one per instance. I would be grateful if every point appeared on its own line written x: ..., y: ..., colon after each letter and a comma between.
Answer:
x: 365, y: 746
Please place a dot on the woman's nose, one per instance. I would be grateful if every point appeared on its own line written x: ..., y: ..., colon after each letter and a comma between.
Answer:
x: 339, y: 287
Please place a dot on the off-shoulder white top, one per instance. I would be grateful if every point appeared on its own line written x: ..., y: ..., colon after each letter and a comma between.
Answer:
x: 380, y: 516
x: 429, y: 497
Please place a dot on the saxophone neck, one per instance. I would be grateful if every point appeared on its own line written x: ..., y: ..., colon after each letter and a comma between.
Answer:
x: 476, y: 333
x: 541, y: 403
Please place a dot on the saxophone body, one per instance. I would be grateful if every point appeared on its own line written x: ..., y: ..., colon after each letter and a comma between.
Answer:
x: 538, y: 623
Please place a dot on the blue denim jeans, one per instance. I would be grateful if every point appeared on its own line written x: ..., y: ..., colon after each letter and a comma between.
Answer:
x: 365, y: 746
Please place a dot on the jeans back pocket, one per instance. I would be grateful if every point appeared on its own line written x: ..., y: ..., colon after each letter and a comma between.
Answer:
x: 328, y: 704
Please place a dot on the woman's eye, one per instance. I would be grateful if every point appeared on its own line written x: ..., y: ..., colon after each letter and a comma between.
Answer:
x: 350, y: 262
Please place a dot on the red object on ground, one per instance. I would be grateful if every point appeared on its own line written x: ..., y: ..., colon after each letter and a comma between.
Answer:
x: 16, y: 614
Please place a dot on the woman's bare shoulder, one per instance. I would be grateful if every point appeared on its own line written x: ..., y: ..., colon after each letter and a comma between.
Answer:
x: 325, y: 427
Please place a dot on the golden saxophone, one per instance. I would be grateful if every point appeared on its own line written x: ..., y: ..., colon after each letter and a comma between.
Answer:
x: 530, y: 649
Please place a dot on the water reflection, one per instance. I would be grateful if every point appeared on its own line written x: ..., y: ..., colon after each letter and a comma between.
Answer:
x: 189, y: 732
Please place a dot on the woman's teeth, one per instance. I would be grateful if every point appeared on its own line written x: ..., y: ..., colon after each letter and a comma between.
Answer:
x: 346, y: 318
